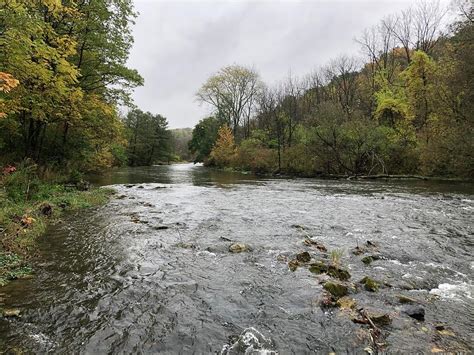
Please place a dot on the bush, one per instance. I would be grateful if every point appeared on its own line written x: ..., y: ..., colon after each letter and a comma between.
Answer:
x: 251, y: 155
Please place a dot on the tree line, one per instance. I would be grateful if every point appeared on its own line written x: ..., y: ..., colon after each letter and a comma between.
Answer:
x: 406, y: 108
x: 63, y: 76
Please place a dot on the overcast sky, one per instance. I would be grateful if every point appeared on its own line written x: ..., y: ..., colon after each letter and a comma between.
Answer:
x: 179, y: 44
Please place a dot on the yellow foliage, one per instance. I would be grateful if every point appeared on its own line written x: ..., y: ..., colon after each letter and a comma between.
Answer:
x: 223, y: 152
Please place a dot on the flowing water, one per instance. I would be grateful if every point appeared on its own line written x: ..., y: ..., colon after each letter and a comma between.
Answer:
x: 151, y: 272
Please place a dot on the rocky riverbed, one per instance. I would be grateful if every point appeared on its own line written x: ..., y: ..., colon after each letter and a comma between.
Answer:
x: 184, y: 259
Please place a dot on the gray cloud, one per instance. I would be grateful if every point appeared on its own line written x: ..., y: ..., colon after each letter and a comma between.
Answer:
x: 179, y: 44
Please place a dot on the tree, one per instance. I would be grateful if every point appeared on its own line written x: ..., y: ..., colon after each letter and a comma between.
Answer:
x: 149, y: 140
x: 203, y: 138
x: 223, y: 152
x: 69, y: 58
x: 232, y: 93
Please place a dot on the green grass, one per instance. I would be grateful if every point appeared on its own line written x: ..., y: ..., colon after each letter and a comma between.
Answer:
x: 22, y: 221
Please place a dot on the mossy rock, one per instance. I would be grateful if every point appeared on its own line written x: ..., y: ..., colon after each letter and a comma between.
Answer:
x: 370, y: 284
x: 303, y: 257
x: 367, y: 260
x: 338, y: 273
x: 336, y: 289
x: 318, y: 268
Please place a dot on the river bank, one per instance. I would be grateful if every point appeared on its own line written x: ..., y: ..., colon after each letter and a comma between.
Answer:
x: 25, y: 212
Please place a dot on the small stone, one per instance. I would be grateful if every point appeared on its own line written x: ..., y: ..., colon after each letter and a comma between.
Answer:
x: 303, y: 257
x: 121, y: 197
x: 238, y: 248
x: 416, y: 312
x: 140, y: 187
x: 11, y: 312
x: 336, y: 289
x: 161, y: 227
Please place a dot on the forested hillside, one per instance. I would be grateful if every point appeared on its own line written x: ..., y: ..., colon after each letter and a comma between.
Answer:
x: 405, y: 108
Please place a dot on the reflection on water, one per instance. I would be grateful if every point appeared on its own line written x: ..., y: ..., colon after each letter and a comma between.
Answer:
x: 151, y: 272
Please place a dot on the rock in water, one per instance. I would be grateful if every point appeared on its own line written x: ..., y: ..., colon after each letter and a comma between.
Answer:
x: 338, y: 273
x: 11, y: 312
x: 318, y: 268
x: 293, y: 264
x: 303, y: 257
x: 337, y: 290
x: 367, y: 260
x: 417, y: 312
x: 239, y: 248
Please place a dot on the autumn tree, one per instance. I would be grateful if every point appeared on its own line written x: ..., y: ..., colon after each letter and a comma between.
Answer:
x: 223, y: 152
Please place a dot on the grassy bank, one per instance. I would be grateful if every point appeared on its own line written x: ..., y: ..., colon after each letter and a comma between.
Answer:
x: 27, y: 205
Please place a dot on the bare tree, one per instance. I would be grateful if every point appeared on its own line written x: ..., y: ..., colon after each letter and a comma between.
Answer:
x: 341, y: 75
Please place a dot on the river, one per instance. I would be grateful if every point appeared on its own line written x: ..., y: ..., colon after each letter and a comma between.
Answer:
x: 151, y: 271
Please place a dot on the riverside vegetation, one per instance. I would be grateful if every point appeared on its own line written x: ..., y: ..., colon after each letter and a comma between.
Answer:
x: 62, y: 78
x: 406, y: 109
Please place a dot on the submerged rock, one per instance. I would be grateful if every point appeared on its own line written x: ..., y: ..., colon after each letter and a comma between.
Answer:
x: 186, y: 245
x: 337, y: 290
x: 417, y: 312
x: 238, y: 248
x: 161, y: 227
x: 303, y: 257
x: 370, y: 284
